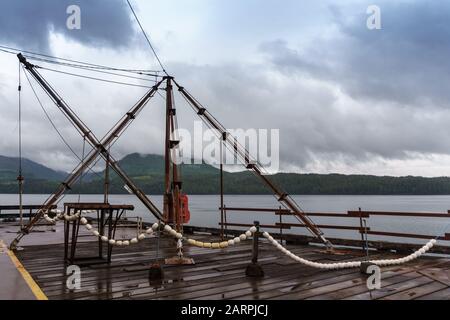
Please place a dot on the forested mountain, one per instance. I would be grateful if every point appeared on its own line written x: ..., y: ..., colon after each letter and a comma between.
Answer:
x: 147, y: 172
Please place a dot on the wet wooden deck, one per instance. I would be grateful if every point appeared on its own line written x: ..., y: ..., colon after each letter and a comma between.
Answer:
x: 221, y: 274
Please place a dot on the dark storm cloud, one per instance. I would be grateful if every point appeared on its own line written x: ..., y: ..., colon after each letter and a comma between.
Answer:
x: 405, y: 62
x: 315, y: 123
x: 28, y: 23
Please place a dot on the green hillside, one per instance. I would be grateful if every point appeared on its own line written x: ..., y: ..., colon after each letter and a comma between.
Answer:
x: 147, y: 172
x: 31, y: 170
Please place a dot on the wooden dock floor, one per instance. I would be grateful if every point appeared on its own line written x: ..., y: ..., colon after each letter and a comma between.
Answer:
x: 220, y: 274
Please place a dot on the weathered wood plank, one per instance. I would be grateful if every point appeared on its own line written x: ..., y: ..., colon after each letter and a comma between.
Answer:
x: 220, y: 274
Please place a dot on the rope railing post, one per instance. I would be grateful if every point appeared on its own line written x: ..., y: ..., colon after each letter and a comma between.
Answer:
x: 225, y: 219
x: 281, y: 225
x: 156, y: 272
x: 361, y: 229
x: 254, y: 269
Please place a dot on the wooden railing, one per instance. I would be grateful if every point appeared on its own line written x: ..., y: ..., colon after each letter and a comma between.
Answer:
x: 13, y: 211
x: 362, y: 230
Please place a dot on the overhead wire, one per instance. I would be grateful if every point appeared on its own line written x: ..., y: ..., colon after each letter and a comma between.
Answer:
x: 147, y: 38
x: 94, y: 78
x: 76, y: 116
x: 54, y: 125
x: 93, y: 69
x: 14, y: 51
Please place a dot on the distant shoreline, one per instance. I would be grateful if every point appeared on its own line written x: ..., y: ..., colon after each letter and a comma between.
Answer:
x: 147, y: 172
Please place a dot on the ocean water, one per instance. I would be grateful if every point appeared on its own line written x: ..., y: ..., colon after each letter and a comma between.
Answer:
x: 204, y: 211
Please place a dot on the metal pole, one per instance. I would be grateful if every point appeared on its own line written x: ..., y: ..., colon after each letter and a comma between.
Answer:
x: 221, y: 193
x: 225, y: 219
x: 106, y: 191
x: 361, y: 230
x: 367, y: 240
x: 281, y: 225
x: 254, y: 269
x: 167, y: 211
x: 20, y: 177
x: 176, y: 182
x: 255, y: 243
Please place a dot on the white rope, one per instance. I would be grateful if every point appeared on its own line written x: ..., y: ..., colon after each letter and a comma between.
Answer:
x: 349, y: 264
x: 167, y: 228
x: 62, y: 216
x: 122, y: 242
x: 59, y: 215
x: 224, y: 244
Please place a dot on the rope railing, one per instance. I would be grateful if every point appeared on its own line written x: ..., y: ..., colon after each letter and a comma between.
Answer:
x: 149, y: 231
x: 224, y: 244
x: 350, y: 264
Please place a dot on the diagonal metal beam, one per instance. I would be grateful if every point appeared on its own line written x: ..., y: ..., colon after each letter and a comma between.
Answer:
x: 99, y: 148
x: 282, y: 196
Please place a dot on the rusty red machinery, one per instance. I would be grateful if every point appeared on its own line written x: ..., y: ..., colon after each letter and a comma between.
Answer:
x: 185, y: 214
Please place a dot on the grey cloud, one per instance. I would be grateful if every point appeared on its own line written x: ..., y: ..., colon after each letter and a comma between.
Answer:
x: 28, y: 23
x: 314, y: 123
x: 405, y: 62
x: 346, y: 100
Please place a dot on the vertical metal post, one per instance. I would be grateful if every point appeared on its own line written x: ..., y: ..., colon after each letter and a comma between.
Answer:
x: 20, y: 179
x: 225, y: 219
x: 106, y: 191
x: 110, y: 234
x: 101, y: 229
x: 66, y: 241
x: 255, y: 243
x: 176, y: 183
x: 281, y: 225
x: 254, y: 269
x: 361, y: 226
x: 73, y: 244
x: 168, y: 208
x: 367, y: 239
x: 221, y: 193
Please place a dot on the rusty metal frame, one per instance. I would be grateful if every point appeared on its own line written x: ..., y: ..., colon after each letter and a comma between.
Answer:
x: 99, y: 148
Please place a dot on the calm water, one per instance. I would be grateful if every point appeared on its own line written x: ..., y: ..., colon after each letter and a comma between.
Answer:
x: 204, y: 210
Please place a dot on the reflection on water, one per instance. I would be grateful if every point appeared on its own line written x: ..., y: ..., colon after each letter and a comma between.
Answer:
x: 205, y: 212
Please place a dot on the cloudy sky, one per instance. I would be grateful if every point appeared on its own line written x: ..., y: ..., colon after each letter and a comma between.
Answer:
x: 345, y: 98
